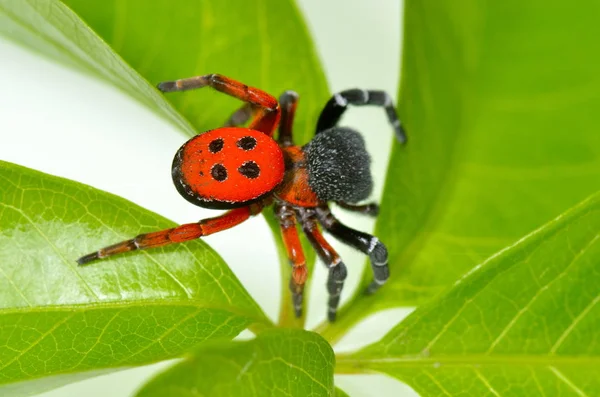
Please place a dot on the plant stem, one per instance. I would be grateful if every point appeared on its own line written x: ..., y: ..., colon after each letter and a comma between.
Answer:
x: 259, y: 327
x: 346, y: 366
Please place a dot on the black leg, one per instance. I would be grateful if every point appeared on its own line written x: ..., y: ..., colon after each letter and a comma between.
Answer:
x: 371, y: 209
x: 287, y: 101
x: 337, y: 269
x: 363, y: 242
x: 338, y: 104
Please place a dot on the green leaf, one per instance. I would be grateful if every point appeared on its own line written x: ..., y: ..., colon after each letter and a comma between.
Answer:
x: 51, y: 28
x: 58, y: 319
x: 241, y: 39
x: 281, y: 362
x: 501, y: 108
x: 525, y: 322
x: 340, y: 393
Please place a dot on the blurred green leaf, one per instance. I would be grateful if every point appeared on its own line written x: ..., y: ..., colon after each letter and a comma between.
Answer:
x: 525, y: 322
x: 281, y: 362
x: 340, y: 393
x: 58, y: 319
x: 52, y: 29
x: 264, y: 44
x: 501, y: 101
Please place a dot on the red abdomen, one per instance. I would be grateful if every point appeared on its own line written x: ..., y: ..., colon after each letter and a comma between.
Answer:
x: 228, y: 167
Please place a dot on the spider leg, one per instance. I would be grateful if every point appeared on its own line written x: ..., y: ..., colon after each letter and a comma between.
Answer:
x: 363, y: 242
x: 331, y: 259
x: 288, y: 101
x: 370, y: 209
x: 291, y: 240
x: 240, y: 116
x: 179, y: 234
x: 338, y: 104
x: 267, y: 112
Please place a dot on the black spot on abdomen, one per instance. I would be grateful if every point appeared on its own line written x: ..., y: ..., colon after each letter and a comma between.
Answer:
x: 246, y: 143
x: 216, y: 145
x: 219, y: 172
x: 249, y: 169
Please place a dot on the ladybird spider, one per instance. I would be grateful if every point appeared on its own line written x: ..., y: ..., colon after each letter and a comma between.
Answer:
x: 245, y: 169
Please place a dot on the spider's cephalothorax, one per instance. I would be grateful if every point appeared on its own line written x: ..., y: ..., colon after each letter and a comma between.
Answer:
x: 245, y: 169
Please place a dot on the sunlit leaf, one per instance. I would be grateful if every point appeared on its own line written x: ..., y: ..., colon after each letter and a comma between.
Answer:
x: 51, y: 28
x: 245, y: 40
x: 501, y: 101
x: 525, y: 322
x: 58, y: 319
x: 281, y: 362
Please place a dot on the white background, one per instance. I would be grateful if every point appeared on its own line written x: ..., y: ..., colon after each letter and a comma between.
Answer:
x: 67, y: 124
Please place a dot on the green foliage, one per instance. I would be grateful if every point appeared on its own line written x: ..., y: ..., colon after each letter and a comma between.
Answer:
x: 523, y: 323
x: 58, y: 318
x: 340, y: 393
x: 51, y: 28
x: 278, y: 362
x: 501, y: 103
x: 502, y: 114
x: 242, y: 39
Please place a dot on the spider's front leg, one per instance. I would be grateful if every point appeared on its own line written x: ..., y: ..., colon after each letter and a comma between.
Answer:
x: 331, y: 259
x: 179, y: 234
x: 266, y: 114
x: 338, y: 104
x: 287, y: 222
x: 366, y: 243
x: 288, y: 101
x: 241, y: 116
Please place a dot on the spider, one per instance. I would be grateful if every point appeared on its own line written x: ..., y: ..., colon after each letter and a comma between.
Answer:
x: 245, y: 169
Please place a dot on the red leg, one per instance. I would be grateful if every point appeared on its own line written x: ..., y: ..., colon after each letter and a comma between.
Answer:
x: 337, y: 268
x: 267, y: 116
x: 179, y: 234
x: 288, y: 101
x: 291, y: 240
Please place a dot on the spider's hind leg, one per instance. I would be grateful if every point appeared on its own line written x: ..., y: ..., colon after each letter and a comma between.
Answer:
x: 369, y: 209
x: 287, y: 222
x: 331, y: 259
x: 366, y: 243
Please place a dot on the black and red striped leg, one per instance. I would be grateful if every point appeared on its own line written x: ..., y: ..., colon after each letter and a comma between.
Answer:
x: 291, y: 240
x: 370, y: 209
x: 366, y: 243
x: 179, y: 234
x: 267, y: 114
x: 331, y: 259
x: 338, y: 104
x: 288, y: 102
